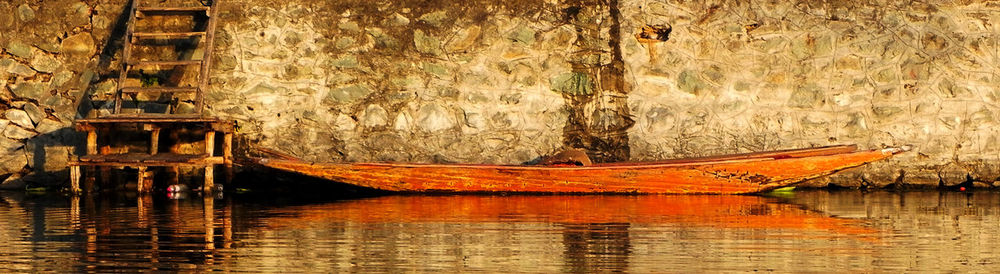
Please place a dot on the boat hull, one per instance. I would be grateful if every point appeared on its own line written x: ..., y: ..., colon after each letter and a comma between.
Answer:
x: 735, y: 174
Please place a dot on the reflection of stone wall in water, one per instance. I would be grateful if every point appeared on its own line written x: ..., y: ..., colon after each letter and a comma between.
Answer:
x: 509, y: 81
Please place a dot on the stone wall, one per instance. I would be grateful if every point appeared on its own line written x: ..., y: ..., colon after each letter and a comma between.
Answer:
x: 49, y: 58
x: 509, y: 81
x: 748, y: 75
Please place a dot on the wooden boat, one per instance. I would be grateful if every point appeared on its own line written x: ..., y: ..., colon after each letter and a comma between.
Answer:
x: 728, y: 174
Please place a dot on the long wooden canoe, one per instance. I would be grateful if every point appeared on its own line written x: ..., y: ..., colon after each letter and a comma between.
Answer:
x: 728, y: 174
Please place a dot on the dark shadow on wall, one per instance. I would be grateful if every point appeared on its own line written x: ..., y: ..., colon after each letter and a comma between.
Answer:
x: 115, y: 43
x: 49, y: 155
x: 597, y: 85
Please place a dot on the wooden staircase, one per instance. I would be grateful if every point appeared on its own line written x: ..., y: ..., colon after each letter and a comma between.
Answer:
x: 203, y: 37
x: 106, y: 151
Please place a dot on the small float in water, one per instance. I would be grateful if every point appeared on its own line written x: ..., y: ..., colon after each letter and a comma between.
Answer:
x: 727, y: 174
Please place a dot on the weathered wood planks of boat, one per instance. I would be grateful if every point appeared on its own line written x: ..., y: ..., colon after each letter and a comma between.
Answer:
x: 727, y: 174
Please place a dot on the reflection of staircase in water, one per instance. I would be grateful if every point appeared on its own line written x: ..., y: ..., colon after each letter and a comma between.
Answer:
x: 155, y: 241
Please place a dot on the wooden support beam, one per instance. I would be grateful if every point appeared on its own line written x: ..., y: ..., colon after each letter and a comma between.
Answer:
x: 210, y: 142
x: 74, y: 179
x: 227, y: 155
x: 154, y: 141
x: 227, y: 148
x: 175, y: 177
x: 92, y: 142
x: 88, y: 181
x: 140, y: 185
x: 209, y: 179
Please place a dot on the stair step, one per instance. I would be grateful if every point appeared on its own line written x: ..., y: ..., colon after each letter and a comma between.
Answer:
x: 173, y: 10
x: 167, y: 63
x: 159, y: 89
x: 153, y: 35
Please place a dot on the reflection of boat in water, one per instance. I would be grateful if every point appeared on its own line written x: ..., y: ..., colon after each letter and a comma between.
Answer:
x: 714, y: 211
x: 729, y: 174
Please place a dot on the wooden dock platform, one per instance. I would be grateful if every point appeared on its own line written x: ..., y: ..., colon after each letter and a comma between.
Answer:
x: 101, y: 150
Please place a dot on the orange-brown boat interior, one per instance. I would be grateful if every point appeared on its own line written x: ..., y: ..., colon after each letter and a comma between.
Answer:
x: 728, y: 174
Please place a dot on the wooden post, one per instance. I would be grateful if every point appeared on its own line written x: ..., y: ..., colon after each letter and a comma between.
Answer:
x: 74, y: 179
x: 148, y: 177
x: 88, y: 180
x: 140, y: 185
x: 227, y: 155
x: 106, y: 177
x: 175, y: 177
x: 92, y: 142
x: 154, y: 142
x: 209, y: 142
x: 209, y: 168
x: 209, y: 179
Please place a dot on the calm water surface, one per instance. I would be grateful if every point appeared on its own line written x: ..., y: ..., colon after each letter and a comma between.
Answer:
x: 806, y: 230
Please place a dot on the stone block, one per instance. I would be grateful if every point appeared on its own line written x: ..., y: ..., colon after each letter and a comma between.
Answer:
x: 19, y: 49
x: 572, y: 83
x: 464, y: 39
x: 57, y: 103
x: 374, y: 116
x: 34, y: 112
x: 291, y: 38
x: 343, y: 123
x: 435, y: 19
x: 25, y: 13
x: 47, y: 126
x: 21, y: 70
x: 61, y: 78
x: 79, y: 14
x: 349, y: 62
x: 16, y: 132
x: 475, y: 120
x: 350, y: 26
x: 343, y: 42
x: 436, y: 69
x: 383, y: 40
x: 79, y: 45
x: 30, y: 90
x: 56, y: 158
x: 886, y: 112
x: 13, y: 182
x: 402, y: 122
x: 522, y: 34
x: 45, y: 63
x: 398, y: 20
x: 7, y: 145
x: 20, y: 118
x: 426, y: 43
x: 807, y: 96
x: 347, y: 94
x: 689, y: 81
